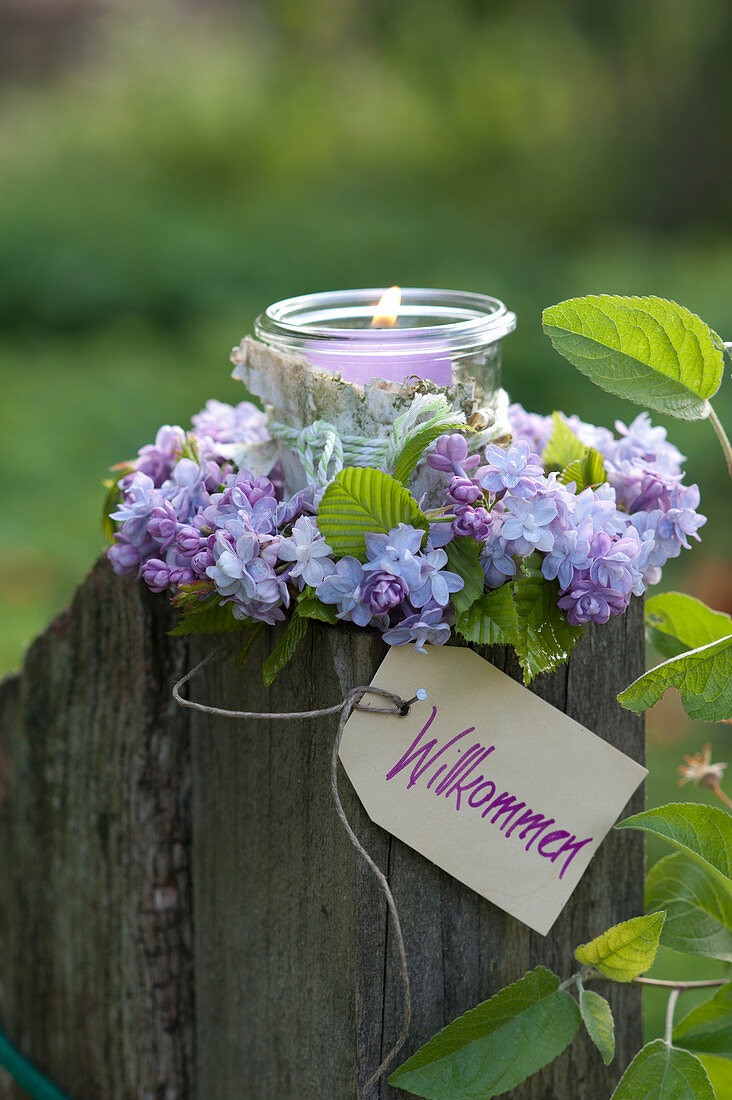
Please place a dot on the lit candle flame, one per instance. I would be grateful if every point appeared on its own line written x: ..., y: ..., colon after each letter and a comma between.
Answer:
x: 387, y: 311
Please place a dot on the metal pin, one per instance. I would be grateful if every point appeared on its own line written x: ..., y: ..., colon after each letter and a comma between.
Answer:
x: 420, y: 696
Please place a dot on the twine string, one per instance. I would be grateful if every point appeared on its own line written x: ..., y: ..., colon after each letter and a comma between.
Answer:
x: 399, y: 707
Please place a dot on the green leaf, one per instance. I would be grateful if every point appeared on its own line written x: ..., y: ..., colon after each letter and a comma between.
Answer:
x: 585, y: 471
x: 361, y: 500
x: 495, y: 1046
x: 598, y: 1019
x: 310, y: 607
x: 703, y: 678
x: 216, y: 619
x: 648, y: 350
x: 415, y: 447
x: 491, y: 620
x: 661, y: 1072
x: 282, y: 653
x: 463, y: 558
x: 112, y: 498
x: 720, y: 1074
x: 544, y: 637
x: 563, y: 446
x: 702, y: 832
x: 567, y: 453
x: 254, y: 629
x: 707, y: 1029
x: 698, y: 907
x: 680, y: 622
x: 625, y: 950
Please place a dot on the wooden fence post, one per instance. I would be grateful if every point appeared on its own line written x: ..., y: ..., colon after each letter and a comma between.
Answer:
x: 181, y: 915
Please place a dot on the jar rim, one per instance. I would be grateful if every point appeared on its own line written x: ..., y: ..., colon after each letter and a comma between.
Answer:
x: 457, y: 320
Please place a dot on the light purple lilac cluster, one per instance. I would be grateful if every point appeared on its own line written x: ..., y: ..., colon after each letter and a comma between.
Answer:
x: 603, y: 544
x: 402, y: 589
x: 186, y: 516
x: 186, y: 519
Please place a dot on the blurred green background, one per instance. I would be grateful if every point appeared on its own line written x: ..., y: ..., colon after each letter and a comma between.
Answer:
x: 168, y: 169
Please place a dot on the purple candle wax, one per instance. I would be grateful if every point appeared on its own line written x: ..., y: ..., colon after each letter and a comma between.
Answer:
x: 356, y: 365
x: 436, y: 335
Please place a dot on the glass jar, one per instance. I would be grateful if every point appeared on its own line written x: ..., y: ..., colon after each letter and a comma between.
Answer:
x: 444, y: 336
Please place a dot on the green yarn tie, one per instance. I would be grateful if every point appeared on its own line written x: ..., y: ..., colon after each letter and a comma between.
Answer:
x: 26, y: 1075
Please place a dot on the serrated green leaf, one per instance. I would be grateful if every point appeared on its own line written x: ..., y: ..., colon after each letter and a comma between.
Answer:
x: 702, y: 676
x: 463, y: 558
x: 625, y: 950
x: 680, y: 622
x: 648, y: 350
x: 491, y: 620
x: 283, y: 652
x: 196, y: 597
x: 698, y: 907
x: 495, y: 1046
x: 720, y: 1074
x: 361, y: 500
x: 415, y: 447
x: 703, y: 833
x: 597, y: 1017
x: 310, y: 607
x: 544, y: 637
x: 216, y: 619
x: 585, y: 471
x: 563, y: 446
x: 661, y: 1072
x: 707, y: 1029
x: 253, y: 632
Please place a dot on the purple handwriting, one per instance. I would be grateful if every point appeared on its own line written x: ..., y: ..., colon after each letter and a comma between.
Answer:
x: 448, y: 777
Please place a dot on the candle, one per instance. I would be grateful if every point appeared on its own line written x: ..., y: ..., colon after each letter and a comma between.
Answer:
x: 441, y: 336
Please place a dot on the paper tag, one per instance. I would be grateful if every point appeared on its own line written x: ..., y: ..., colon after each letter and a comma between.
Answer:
x: 497, y: 787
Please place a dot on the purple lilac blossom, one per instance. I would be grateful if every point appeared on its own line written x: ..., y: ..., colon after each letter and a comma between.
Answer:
x: 462, y: 490
x: 243, y: 573
x: 343, y: 588
x: 125, y: 556
x: 382, y: 592
x: 587, y: 602
x: 527, y: 525
x: 569, y: 555
x: 396, y: 553
x: 532, y: 427
x: 472, y: 522
x: 642, y: 439
x: 221, y: 423
x: 187, y: 488
x: 437, y: 584
x: 439, y: 535
x: 158, y: 459
x: 516, y: 469
x: 427, y: 625
x: 163, y: 524
x: 189, y: 540
x: 599, y: 506
x: 311, y: 554
x: 139, y: 499
x: 497, y: 563
x: 156, y: 575
x: 451, y: 456
x: 179, y: 520
x: 613, y: 560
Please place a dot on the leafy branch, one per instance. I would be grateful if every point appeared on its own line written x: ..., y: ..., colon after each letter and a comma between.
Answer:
x: 496, y: 1046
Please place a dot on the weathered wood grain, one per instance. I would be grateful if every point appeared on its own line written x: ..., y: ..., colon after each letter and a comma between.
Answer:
x: 96, y: 952
x: 129, y: 906
x: 311, y: 965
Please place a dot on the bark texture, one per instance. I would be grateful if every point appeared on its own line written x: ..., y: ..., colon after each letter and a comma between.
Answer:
x: 181, y: 916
